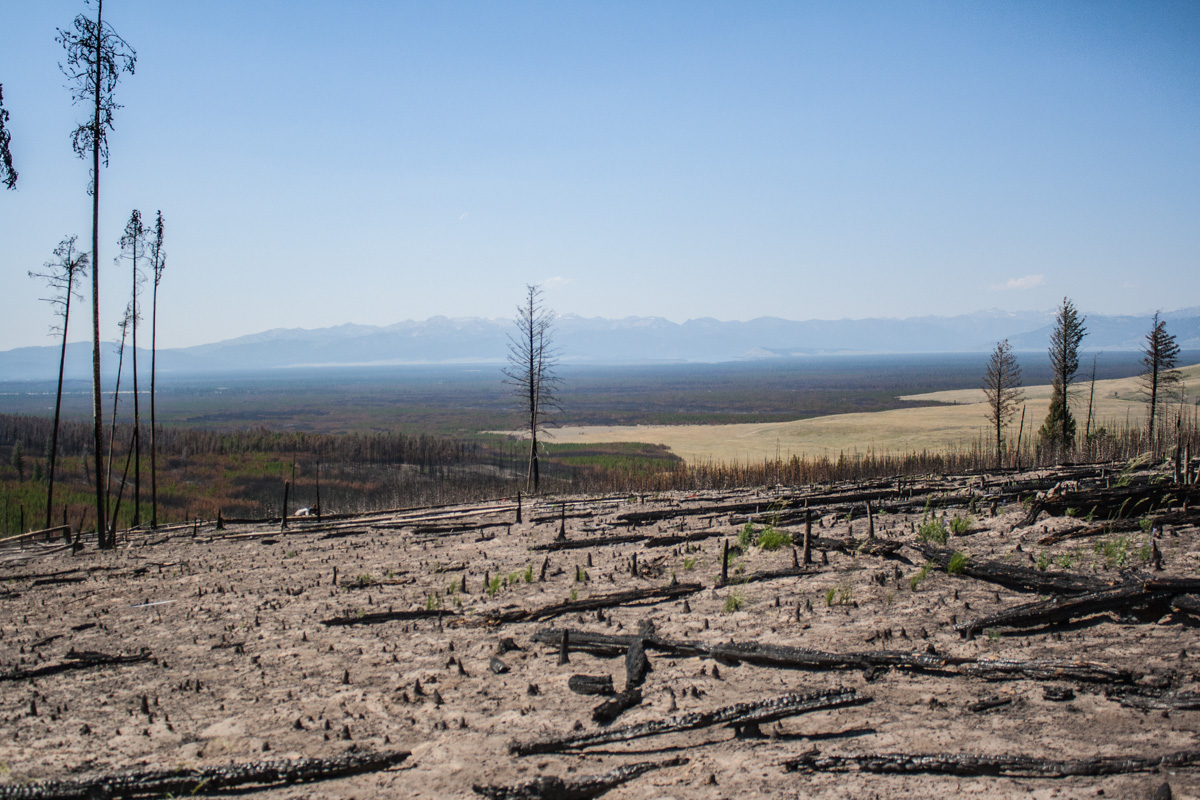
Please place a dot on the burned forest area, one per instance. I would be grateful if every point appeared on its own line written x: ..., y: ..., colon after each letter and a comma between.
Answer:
x: 991, y: 635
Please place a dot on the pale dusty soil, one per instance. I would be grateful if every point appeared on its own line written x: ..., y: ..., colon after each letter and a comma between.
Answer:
x: 934, y: 428
x: 244, y: 670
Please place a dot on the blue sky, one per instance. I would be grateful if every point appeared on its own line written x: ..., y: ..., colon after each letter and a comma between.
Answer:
x: 320, y: 163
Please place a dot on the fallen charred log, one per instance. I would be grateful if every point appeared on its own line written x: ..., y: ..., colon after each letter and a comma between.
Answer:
x: 593, y: 541
x: 388, y: 616
x: 740, y: 714
x: 653, y: 594
x: 551, y: 787
x: 1005, y: 669
x: 208, y: 780
x: 609, y: 710
x: 1022, y: 579
x: 767, y: 655
x: 75, y: 661
x: 1045, y: 612
x: 971, y: 764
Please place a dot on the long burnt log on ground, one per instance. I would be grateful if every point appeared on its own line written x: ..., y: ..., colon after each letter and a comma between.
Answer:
x: 1022, y: 579
x: 971, y: 764
x: 1002, y: 669
x: 1151, y: 700
x: 209, y: 780
x: 1117, y: 526
x: 552, y: 787
x: 1045, y: 612
x: 767, y: 655
x: 76, y: 661
x: 787, y: 705
x: 870, y: 661
x: 653, y: 594
x: 643, y: 517
x: 388, y: 616
x: 592, y: 541
x: 1112, y: 504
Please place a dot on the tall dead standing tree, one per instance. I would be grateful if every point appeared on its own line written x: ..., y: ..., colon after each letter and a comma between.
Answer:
x: 158, y: 262
x: 532, y: 360
x: 133, y: 244
x: 1059, y: 427
x: 8, y: 175
x: 96, y: 57
x: 60, y: 275
x: 1160, y: 357
x: 1002, y: 387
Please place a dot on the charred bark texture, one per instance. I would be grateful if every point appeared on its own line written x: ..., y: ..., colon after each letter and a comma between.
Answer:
x: 551, y: 787
x: 209, y: 780
x: 760, y: 711
x: 599, y: 601
x: 970, y: 764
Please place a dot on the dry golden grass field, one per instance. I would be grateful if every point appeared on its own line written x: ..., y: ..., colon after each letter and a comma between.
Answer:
x: 936, y: 428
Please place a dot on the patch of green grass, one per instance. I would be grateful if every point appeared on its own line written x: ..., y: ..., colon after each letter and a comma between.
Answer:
x: 689, y: 563
x: 960, y: 525
x: 493, y: 588
x: 1146, y: 524
x: 839, y: 595
x: 734, y: 602
x: 364, y: 579
x: 1043, y: 561
x: 933, y: 530
x: 433, y: 601
x: 920, y: 576
x: 1145, y: 552
x: 529, y: 573
x: 772, y: 539
x: 290, y: 554
x: 1114, y: 551
x: 746, y: 535
x: 1066, y: 560
x: 958, y: 562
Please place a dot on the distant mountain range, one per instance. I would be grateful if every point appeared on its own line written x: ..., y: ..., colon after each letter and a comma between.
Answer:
x: 633, y: 340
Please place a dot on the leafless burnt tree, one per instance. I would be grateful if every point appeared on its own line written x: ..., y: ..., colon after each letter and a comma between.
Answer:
x: 532, y: 360
x: 158, y: 262
x: 8, y: 175
x: 1002, y: 386
x: 133, y: 245
x: 1059, y: 427
x: 1160, y: 357
x: 96, y: 57
x: 60, y: 275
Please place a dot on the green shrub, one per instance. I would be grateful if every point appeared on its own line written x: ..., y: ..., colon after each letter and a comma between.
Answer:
x: 960, y: 525
x: 958, y: 562
x: 920, y: 576
x: 772, y: 539
x: 746, y: 535
x: 493, y: 588
x: 1043, y: 561
x: 933, y: 530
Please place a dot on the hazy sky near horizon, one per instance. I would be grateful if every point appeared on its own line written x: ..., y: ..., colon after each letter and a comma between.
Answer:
x: 319, y: 163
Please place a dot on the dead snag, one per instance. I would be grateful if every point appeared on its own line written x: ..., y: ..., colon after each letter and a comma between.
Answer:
x: 209, y: 780
x: 1045, y: 612
x: 1022, y: 579
x: 551, y: 787
x: 636, y: 664
x: 598, y: 601
x: 1004, y: 669
x: 971, y: 764
x: 740, y: 714
x: 388, y: 616
x: 75, y: 660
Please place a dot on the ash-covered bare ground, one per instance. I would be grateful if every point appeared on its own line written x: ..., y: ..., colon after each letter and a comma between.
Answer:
x: 1044, y: 666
